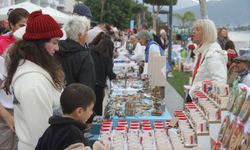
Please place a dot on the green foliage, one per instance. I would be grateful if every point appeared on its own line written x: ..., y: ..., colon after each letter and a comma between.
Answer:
x: 160, y: 2
x: 179, y: 80
x: 148, y: 18
x: 117, y: 12
x: 186, y: 19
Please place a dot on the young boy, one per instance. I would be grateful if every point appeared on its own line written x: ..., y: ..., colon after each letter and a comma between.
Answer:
x: 77, y: 101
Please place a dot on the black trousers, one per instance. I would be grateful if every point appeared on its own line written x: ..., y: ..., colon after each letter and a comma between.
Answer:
x: 99, y: 92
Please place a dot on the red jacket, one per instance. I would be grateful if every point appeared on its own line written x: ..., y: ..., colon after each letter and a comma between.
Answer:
x: 5, y: 41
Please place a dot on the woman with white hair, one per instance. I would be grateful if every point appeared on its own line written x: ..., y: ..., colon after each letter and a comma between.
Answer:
x: 151, y: 47
x: 76, y: 60
x: 211, y: 60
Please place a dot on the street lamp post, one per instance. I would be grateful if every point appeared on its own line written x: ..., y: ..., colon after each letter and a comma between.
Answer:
x: 170, y: 31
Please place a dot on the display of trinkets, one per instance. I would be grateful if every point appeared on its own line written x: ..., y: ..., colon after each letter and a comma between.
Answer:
x: 158, y: 92
x: 199, y: 122
x: 245, y: 110
x: 215, y: 145
x: 236, y: 137
x: 135, y: 136
x: 223, y: 128
x: 134, y: 104
x: 228, y: 133
x: 234, y: 134
x: 239, y: 101
x: 130, y: 108
x: 159, y: 107
x: 233, y: 96
x: 244, y: 143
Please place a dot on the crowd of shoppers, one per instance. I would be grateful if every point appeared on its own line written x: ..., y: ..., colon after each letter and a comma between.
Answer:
x: 64, y: 80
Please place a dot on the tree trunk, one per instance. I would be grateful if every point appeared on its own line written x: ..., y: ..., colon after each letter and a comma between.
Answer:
x: 157, y: 17
x: 102, y: 10
x: 203, y: 9
x: 154, y: 18
x: 138, y: 19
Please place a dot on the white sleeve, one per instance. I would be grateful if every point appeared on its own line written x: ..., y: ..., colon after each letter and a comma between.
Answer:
x: 216, y: 65
x: 139, y: 53
x: 145, y: 69
x: 2, y: 68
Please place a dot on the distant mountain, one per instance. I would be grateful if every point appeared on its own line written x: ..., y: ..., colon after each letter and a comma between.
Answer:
x: 223, y: 13
x: 181, y: 4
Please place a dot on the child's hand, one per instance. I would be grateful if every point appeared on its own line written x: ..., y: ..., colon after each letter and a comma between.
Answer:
x: 10, y: 122
x: 99, y: 145
x: 89, y: 126
x: 7, y: 117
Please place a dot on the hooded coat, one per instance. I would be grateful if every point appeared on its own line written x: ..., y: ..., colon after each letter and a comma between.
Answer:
x: 61, y: 133
x: 35, y: 100
x: 77, y: 63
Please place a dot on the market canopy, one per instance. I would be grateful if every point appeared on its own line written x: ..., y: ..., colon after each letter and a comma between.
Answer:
x: 30, y: 7
x: 57, y: 15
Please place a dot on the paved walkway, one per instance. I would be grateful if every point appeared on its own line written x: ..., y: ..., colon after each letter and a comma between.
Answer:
x: 172, y: 99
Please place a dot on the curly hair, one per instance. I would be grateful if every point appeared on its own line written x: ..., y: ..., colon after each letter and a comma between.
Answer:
x: 35, y: 52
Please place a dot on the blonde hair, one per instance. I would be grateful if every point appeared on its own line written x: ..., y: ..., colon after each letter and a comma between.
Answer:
x: 208, y: 30
x: 162, y: 31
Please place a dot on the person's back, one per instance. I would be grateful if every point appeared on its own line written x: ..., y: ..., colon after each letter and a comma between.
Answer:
x: 62, y: 132
x: 102, y: 56
x: 77, y: 102
x: 77, y: 63
x: 76, y: 60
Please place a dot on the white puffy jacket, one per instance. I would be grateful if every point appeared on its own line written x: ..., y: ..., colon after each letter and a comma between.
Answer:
x: 213, y: 66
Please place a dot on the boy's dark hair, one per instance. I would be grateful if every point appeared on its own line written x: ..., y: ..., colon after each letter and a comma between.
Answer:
x: 76, y: 95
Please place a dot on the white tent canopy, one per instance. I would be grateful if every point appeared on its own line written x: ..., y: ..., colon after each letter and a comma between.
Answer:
x: 30, y: 7
x: 57, y: 15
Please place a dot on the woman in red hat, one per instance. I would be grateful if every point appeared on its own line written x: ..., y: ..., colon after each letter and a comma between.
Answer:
x: 35, y: 78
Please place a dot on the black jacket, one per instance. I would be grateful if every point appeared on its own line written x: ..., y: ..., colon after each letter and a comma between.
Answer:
x: 77, y: 63
x: 163, y: 45
x: 61, y: 133
x: 103, y: 68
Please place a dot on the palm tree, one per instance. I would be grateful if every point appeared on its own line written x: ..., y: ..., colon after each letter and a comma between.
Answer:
x: 186, y: 19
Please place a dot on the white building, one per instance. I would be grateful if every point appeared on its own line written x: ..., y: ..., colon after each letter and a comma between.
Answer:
x: 63, y: 5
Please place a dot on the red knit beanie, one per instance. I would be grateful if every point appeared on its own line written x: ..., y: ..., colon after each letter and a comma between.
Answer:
x: 41, y: 26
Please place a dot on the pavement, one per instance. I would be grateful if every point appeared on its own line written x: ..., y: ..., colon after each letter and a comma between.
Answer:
x: 173, y: 99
